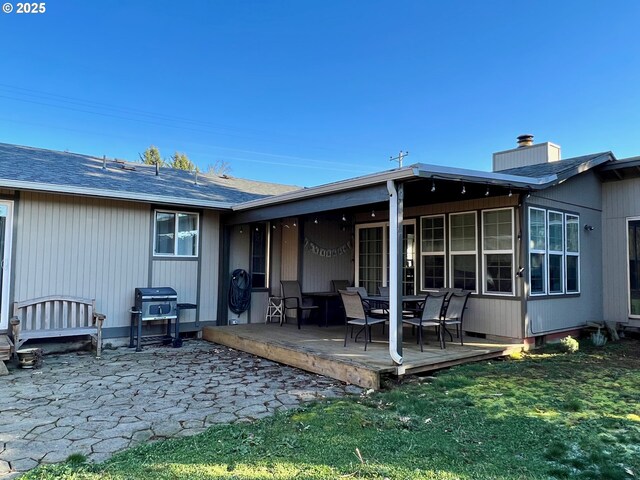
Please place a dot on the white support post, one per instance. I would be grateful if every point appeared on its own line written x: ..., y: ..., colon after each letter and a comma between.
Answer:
x: 396, y: 197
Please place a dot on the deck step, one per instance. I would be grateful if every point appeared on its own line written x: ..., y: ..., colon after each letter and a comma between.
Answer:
x: 5, y: 348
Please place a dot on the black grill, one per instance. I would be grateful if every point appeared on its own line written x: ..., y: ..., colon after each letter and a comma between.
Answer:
x: 156, y: 303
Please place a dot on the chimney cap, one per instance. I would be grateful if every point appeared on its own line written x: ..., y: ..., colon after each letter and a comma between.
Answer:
x: 525, y: 140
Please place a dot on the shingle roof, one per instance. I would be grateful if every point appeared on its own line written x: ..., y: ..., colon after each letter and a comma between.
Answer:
x: 561, y: 168
x: 63, y: 172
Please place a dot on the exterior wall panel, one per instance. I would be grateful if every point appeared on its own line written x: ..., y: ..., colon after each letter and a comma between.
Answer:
x: 181, y: 276
x: 289, y: 252
x: 239, y: 258
x: 210, y: 238
x: 81, y: 247
x: 620, y: 201
x: 494, y: 316
x: 581, y: 195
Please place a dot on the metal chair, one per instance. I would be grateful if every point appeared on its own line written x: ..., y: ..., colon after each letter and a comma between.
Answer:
x: 356, y: 315
x: 454, y: 313
x: 431, y: 316
x: 337, y: 285
x: 293, y: 300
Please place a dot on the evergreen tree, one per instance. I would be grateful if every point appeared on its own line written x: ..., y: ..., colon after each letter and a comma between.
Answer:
x: 151, y: 156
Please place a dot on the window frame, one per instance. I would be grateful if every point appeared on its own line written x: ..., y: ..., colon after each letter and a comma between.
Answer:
x: 175, y: 214
x: 267, y: 249
x: 567, y: 254
x: 498, y: 252
x: 385, y: 251
x: 434, y: 254
x: 538, y: 251
x: 628, y: 220
x: 560, y: 253
x: 463, y: 252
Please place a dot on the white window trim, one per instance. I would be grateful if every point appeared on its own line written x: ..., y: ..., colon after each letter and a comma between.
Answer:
x: 572, y: 254
x: 499, y: 252
x: 385, y: 250
x: 538, y: 251
x: 175, y: 238
x: 556, y: 253
x: 385, y: 259
x: 463, y: 252
x: 629, y: 219
x: 434, y: 254
x: 6, y: 271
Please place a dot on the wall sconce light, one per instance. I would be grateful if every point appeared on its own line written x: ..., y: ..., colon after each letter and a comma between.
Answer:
x: 295, y: 224
x: 273, y: 226
x: 589, y: 228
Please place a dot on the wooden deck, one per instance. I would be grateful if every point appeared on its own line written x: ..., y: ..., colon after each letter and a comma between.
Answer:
x: 320, y: 350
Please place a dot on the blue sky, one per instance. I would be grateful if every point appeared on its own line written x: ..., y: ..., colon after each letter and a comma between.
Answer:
x: 308, y: 92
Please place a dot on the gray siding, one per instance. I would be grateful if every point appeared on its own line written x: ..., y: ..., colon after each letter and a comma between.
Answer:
x: 239, y: 258
x: 581, y: 195
x: 289, y: 251
x: 317, y: 271
x: 181, y: 276
x: 210, y: 238
x: 81, y: 247
x: 494, y: 316
x: 620, y: 201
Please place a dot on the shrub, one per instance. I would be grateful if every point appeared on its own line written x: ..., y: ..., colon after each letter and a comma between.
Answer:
x: 569, y: 344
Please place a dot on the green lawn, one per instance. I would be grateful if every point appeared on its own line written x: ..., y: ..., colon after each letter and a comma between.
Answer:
x: 546, y: 415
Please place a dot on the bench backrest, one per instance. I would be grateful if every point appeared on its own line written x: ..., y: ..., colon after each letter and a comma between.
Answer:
x: 54, y: 313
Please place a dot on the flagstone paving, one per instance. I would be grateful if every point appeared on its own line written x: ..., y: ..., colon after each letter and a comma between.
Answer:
x: 76, y: 403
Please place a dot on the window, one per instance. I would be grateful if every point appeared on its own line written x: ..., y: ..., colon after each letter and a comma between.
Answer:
x: 176, y: 234
x: 463, y: 250
x: 537, y: 251
x: 572, y: 252
x: 555, y: 249
x: 554, y: 252
x: 433, y: 252
x: 497, y: 246
x: 259, y: 255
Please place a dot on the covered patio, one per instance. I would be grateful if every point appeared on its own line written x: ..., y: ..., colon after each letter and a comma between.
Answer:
x: 320, y: 350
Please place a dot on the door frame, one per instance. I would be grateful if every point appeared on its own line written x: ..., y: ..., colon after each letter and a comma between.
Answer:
x: 6, y: 265
x: 627, y: 223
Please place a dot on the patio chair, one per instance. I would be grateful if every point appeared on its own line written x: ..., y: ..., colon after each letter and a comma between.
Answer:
x: 356, y: 316
x: 454, y: 313
x: 337, y: 285
x: 293, y: 300
x: 431, y: 316
x: 383, y: 291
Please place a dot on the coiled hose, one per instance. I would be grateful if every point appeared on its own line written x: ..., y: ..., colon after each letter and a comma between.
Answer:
x: 240, y: 291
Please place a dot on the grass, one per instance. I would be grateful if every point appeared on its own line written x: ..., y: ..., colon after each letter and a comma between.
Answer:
x: 544, y: 415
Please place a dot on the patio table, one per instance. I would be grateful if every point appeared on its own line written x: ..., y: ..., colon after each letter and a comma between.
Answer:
x: 325, y: 298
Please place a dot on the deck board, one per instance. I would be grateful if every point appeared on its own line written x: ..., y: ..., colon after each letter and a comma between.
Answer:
x: 320, y: 350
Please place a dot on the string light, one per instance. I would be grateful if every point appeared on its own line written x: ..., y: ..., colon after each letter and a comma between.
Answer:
x: 344, y: 219
x: 433, y: 186
x: 510, y: 193
x: 486, y: 194
x: 316, y: 221
x: 373, y: 213
x: 241, y: 230
x: 464, y: 190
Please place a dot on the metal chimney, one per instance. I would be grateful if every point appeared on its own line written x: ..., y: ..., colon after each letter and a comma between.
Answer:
x: 157, y: 168
x: 104, y: 162
x: 525, y: 140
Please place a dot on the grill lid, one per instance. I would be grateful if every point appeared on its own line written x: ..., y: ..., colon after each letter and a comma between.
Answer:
x: 156, y: 292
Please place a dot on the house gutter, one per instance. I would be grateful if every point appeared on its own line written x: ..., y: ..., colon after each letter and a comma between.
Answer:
x: 100, y: 193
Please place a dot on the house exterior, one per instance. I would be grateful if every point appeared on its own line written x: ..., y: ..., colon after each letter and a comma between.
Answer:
x: 542, y: 243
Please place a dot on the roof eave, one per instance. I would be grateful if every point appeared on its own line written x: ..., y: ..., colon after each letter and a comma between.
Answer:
x: 488, y: 178
x: 329, y: 188
x: 115, y: 195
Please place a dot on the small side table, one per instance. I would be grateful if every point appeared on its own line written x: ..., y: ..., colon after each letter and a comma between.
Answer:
x: 274, y: 310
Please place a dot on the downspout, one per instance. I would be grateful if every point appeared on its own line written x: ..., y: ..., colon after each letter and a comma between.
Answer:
x: 524, y: 266
x: 396, y: 213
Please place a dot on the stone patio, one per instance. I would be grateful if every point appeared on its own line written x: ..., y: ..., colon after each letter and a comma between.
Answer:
x: 77, y: 404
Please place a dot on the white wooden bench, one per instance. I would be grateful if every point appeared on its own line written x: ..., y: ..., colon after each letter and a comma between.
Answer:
x: 56, y: 316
